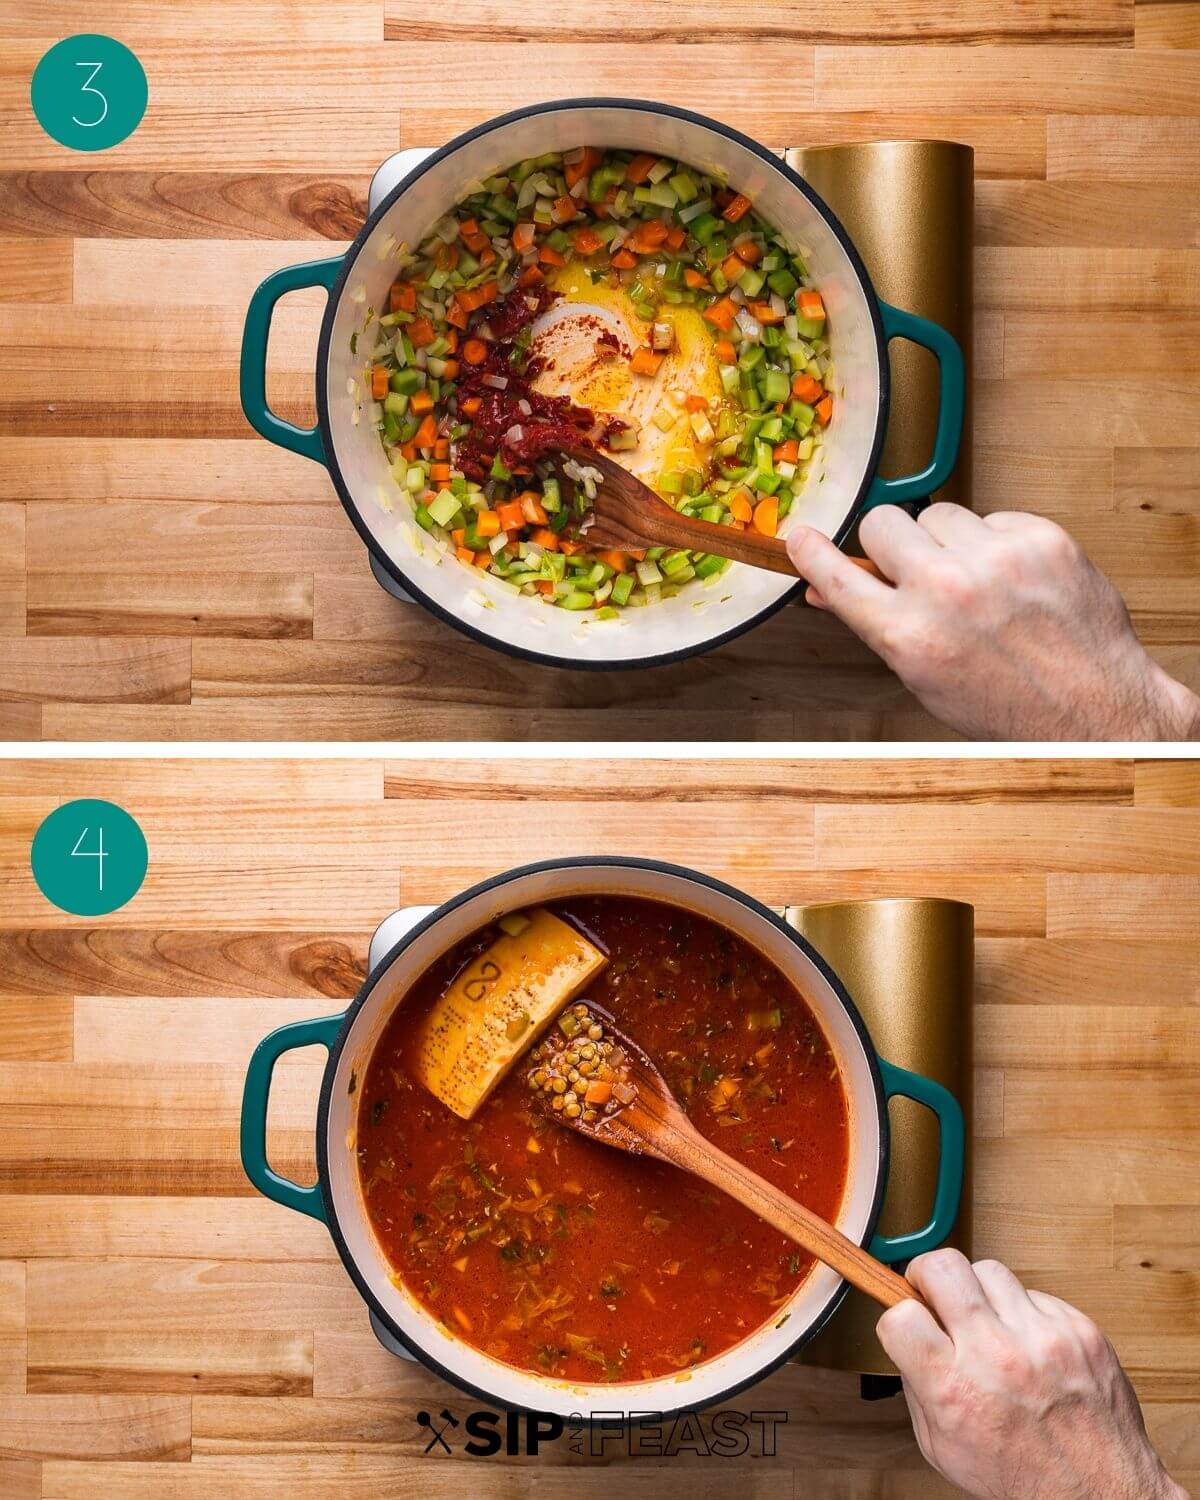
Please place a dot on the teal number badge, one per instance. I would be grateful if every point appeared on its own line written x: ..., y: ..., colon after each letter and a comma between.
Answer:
x: 89, y: 92
x: 89, y: 857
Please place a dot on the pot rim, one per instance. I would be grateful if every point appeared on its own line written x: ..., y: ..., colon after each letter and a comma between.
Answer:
x: 613, y: 862
x: 392, y: 568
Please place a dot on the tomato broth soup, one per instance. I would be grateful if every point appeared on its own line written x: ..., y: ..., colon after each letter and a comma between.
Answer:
x: 561, y: 1256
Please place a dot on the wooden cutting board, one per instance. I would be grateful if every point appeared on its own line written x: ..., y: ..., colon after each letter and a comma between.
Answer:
x: 167, y: 1335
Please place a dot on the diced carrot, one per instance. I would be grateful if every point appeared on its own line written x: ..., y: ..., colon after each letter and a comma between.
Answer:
x: 695, y: 279
x: 452, y: 340
x: 732, y: 267
x: 465, y: 555
x: 740, y: 506
x: 402, y: 297
x: 474, y: 352
x: 573, y: 171
x: 645, y: 362
x: 469, y: 405
x: 420, y: 331
x: 597, y: 1093
x: 549, y: 256
x: 379, y: 381
x: 446, y: 257
x: 449, y: 369
x: 468, y: 226
x: 439, y: 473
x: 545, y: 538
x: 530, y: 276
x: 639, y: 168
x: 749, y: 251
x: 825, y: 410
x: 696, y: 403
x: 409, y: 451
x: 786, y: 452
x: 441, y: 449
x: 648, y: 236
x: 476, y: 297
x: 615, y: 560
x: 531, y: 504
x: 420, y: 402
x: 571, y: 548
x: 676, y: 236
x: 563, y: 209
x: 586, y: 240
x: 458, y: 535
x: 623, y: 259
x: 487, y: 523
x: 738, y: 525
x: 523, y: 236
x: 426, y: 434
x: 806, y: 389
x: 765, y: 313
x: 544, y: 586
x: 737, y: 208
x: 456, y: 313
x: 809, y: 304
x: 512, y: 517
x: 483, y: 559
x: 478, y: 243
x: 721, y: 313
x: 726, y: 353
x: 766, y: 515
x: 487, y: 255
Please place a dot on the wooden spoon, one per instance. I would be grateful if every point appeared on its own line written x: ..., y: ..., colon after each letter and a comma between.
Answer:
x: 627, y: 515
x: 642, y: 1116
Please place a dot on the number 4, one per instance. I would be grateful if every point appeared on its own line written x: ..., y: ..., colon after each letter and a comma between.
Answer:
x: 88, y: 89
x: 97, y: 854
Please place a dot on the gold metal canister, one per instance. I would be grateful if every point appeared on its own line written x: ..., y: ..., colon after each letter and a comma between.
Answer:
x: 909, y: 967
x: 909, y: 208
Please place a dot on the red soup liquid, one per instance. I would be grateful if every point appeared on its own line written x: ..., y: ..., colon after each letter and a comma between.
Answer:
x: 562, y: 1256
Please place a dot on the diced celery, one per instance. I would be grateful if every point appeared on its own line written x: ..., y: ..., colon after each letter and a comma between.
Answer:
x: 608, y: 613
x: 661, y: 169
x: 751, y: 281
x: 396, y: 404
x: 709, y: 565
x: 705, y: 226
x: 551, y: 495
x: 670, y: 484
x: 660, y: 194
x: 775, y: 386
x: 391, y: 428
x: 718, y: 279
x: 498, y: 470
x: 751, y: 355
x: 809, y: 328
x: 415, y: 478
x: 772, y: 429
x: 405, y: 382
x: 702, y: 427
x: 577, y: 599
x: 444, y: 507
x: 802, y: 414
x: 684, y: 186
x: 424, y: 519
x: 782, y: 282
x: 712, y: 513
x: 729, y: 379
x: 648, y: 572
x: 674, y: 561
x: 622, y: 588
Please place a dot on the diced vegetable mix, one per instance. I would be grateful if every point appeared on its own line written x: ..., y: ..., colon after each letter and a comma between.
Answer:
x: 448, y: 381
x: 563, y: 1256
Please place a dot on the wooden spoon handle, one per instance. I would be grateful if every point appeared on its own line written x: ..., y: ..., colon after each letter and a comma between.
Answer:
x: 816, y: 1235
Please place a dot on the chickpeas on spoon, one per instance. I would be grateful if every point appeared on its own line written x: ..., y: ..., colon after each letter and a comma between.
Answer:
x: 590, y: 1077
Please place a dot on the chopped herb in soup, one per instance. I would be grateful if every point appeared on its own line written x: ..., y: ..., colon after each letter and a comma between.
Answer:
x: 561, y: 1256
x: 623, y: 301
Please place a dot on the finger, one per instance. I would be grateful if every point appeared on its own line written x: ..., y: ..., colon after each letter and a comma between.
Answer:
x: 1004, y: 1291
x: 1006, y: 520
x: 912, y: 1339
x: 948, y: 1283
x: 849, y: 592
x: 951, y: 525
x: 1053, y: 1307
x: 891, y: 537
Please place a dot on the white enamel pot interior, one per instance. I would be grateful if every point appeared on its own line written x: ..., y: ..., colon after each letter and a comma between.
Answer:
x: 387, y: 987
x: 695, y: 619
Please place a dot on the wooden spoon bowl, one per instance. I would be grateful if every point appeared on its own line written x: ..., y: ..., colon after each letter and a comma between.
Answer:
x: 590, y: 1077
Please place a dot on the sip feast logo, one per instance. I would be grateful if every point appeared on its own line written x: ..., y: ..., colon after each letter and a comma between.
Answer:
x: 722, y: 1434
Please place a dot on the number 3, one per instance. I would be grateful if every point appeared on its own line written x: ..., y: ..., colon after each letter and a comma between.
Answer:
x: 88, y: 89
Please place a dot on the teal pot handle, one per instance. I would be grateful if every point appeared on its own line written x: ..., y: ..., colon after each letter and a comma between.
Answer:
x: 305, y: 1200
x: 951, y: 1149
x: 906, y: 325
x: 305, y: 440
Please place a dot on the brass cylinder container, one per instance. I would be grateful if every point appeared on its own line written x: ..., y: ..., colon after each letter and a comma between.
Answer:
x: 909, y: 208
x: 909, y: 967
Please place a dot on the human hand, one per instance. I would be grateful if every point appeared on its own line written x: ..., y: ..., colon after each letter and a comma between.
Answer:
x: 1000, y: 625
x: 1017, y: 1396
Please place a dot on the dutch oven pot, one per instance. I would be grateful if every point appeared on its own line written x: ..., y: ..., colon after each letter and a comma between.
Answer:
x: 336, y: 1198
x: 861, y: 325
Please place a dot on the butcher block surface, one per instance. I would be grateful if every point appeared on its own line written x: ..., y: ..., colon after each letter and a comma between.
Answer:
x: 165, y: 574
x: 166, y: 1334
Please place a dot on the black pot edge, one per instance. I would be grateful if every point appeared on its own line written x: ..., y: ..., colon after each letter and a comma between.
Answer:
x: 523, y: 653
x: 497, y: 882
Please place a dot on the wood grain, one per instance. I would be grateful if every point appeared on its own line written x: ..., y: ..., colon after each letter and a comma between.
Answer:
x: 166, y: 1332
x: 157, y: 522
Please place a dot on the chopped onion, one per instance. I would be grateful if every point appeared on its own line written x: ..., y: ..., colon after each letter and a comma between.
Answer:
x: 515, y: 433
x: 524, y: 407
x: 778, y: 305
x: 750, y: 326
x: 497, y: 382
